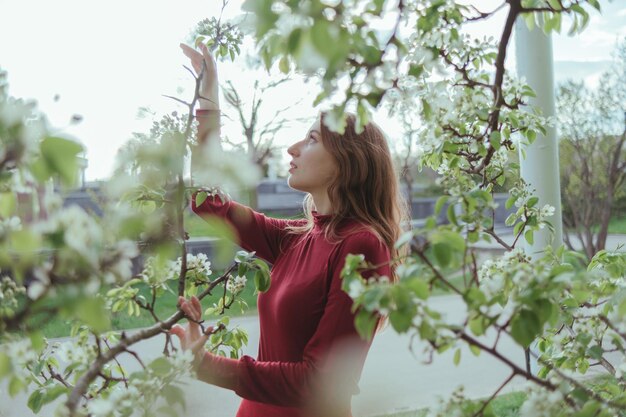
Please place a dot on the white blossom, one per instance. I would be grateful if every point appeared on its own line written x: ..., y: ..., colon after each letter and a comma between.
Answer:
x: 8, y: 225
x: 355, y: 288
x: 123, y: 253
x: 100, y: 407
x: 224, y: 168
x: 236, y: 285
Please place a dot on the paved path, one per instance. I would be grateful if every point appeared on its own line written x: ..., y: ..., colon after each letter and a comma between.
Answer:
x: 393, y: 378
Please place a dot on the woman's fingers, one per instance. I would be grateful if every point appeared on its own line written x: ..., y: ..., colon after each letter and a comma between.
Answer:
x: 192, y: 311
x: 180, y: 333
x: 198, y: 345
x: 208, y: 58
x: 190, y: 52
x: 195, y: 57
x: 195, y: 303
x: 194, y: 314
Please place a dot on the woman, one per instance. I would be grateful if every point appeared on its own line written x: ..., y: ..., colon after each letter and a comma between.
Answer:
x: 310, y: 356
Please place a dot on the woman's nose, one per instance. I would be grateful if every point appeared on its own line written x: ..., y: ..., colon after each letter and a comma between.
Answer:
x: 292, y: 150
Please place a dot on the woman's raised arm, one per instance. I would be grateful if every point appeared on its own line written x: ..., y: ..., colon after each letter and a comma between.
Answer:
x: 255, y: 231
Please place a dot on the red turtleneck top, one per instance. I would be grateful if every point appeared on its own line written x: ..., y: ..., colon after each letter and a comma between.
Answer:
x: 310, y: 355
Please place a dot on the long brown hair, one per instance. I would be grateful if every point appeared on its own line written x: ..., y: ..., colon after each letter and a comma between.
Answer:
x: 366, y: 187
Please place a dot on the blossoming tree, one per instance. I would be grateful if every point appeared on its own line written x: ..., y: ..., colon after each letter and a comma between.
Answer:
x: 473, y: 115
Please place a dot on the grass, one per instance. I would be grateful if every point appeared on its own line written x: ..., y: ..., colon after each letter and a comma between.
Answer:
x: 506, y: 405
x: 165, y: 306
x: 617, y: 226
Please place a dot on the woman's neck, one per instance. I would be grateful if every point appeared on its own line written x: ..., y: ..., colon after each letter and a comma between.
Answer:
x: 322, y: 203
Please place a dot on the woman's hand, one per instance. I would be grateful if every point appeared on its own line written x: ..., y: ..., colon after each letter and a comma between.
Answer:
x: 192, y: 338
x: 209, y: 87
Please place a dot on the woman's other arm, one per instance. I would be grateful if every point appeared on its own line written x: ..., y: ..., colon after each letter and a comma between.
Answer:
x: 332, y: 359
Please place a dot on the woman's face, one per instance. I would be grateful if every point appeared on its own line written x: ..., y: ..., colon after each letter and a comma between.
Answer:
x: 312, y: 167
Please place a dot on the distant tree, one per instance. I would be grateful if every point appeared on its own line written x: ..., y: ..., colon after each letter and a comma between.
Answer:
x: 593, y: 155
x: 259, y: 134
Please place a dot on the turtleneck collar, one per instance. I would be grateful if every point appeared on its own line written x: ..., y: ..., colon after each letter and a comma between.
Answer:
x: 320, y: 219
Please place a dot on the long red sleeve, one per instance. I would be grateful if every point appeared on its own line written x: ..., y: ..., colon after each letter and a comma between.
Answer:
x: 255, y: 232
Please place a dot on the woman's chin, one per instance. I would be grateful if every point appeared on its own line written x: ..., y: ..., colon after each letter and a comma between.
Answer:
x: 293, y: 184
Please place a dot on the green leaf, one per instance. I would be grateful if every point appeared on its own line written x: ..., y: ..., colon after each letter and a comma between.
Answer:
x: 148, y: 207
x: 283, y: 65
x: 457, y: 357
x: 160, y: 366
x: 174, y: 395
x: 494, y: 139
x: 442, y: 254
x: 525, y: 327
x: 475, y: 350
x: 450, y: 238
x: 509, y: 202
x: 426, y: 109
x: 15, y: 386
x: 477, y: 326
x: 416, y: 70
x: 529, y: 236
x: 201, y: 197
x: 400, y: 321
x: 555, y: 4
x: 517, y: 228
x: 53, y: 393
x: 261, y: 281
x: 545, y: 310
x: 37, y: 341
x: 440, y: 203
x: 419, y: 287
x: 595, y: 4
x: 590, y: 409
x: 322, y: 38
x: 8, y: 204
x: 529, y: 18
x: 5, y: 365
x: 595, y: 352
x: 365, y: 323
x: 363, y: 117
x: 61, y: 157
x: 242, y: 269
x: 293, y: 42
x: 265, y: 16
x: 452, y: 215
x: 93, y: 313
x: 26, y: 243
x: 35, y: 401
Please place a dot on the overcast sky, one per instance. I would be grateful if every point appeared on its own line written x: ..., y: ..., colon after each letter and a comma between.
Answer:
x: 105, y: 60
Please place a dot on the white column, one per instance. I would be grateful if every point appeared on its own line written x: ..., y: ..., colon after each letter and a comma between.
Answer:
x: 540, y: 168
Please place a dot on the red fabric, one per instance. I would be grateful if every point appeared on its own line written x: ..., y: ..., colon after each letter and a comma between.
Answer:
x: 305, y: 318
